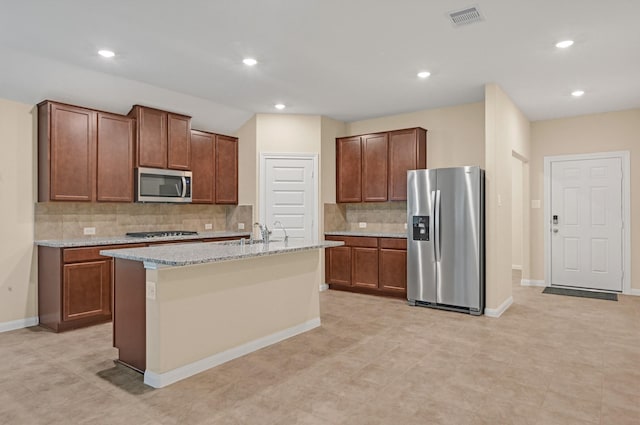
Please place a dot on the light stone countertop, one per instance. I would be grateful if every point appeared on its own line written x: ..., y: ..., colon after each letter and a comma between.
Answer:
x: 198, y: 253
x: 367, y: 234
x: 118, y: 240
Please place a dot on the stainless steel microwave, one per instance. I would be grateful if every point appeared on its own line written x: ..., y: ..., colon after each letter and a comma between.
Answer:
x: 158, y: 185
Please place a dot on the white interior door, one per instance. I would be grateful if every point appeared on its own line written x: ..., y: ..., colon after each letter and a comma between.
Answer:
x: 290, y: 197
x: 586, y: 223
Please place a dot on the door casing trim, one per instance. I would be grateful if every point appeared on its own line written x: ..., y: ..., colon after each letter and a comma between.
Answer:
x: 624, y: 157
x: 264, y: 156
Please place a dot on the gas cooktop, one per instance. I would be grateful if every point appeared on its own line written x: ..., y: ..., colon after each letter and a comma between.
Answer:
x: 161, y: 233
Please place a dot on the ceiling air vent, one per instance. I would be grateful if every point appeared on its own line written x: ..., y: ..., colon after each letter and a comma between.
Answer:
x: 469, y: 15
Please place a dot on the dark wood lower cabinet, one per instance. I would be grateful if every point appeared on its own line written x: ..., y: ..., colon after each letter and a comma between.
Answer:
x: 86, y: 290
x: 368, y: 265
x: 364, y: 267
x: 338, y: 266
x: 130, y: 314
x: 75, y: 285
x: 393, y: 270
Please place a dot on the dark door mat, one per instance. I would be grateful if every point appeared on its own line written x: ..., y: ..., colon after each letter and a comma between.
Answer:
x: 578, y: 293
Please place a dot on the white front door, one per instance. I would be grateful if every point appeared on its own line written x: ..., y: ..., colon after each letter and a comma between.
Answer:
x: 586, y: 223
x: 289, y: 197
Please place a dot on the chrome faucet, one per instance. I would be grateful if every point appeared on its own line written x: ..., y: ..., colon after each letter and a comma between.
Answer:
x: 277, y: 223
x: 264, y: 232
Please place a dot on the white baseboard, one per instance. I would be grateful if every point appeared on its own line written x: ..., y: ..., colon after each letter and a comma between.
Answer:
x: 516, y: 267
x: 634, y: 291
x: 497, y: 312
x: 18, y: 324
x: 323, y: 287
x: 159, y: 380
x: 527, y: 282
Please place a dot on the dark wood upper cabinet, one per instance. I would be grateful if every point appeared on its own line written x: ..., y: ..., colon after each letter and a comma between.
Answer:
x: 179, y: 142
x: 151, y: 140
x: 202, y: 167
x: 163, y: 139
x: 115, y: 144
x: 407, y: 151
x: 226, y: 170
x: 374, y: 167
x: 349, y: 169
x: 66, y: 152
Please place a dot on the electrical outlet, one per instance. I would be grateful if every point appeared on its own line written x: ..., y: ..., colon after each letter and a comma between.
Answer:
x: 240, y: 226
x: 89, y: 230
x: 362, y: 225
x: 151, y: 290
x: 405, y: 226
x: 208, y: 226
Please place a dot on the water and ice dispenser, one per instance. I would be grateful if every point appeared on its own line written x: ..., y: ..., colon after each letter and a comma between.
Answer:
x: 420, y: 227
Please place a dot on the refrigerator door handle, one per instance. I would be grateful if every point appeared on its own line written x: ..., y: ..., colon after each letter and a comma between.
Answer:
x: 432, y: 226
x: 436, y: 229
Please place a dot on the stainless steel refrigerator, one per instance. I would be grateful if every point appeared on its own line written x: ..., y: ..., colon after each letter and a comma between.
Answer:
x: 445, y: 241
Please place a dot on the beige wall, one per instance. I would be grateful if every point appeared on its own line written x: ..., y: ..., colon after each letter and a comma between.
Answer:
x: 330, y: 129
x: 516, y: 212
x: 18, y: 273
x: 507, y: 130
x: 236, y: 302
x: 455, y: 135
x: 612, y: 131
x: 247, y: 164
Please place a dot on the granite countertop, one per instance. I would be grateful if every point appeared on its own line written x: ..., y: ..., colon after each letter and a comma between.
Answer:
x: 118, y: 240
x: 199, y: 253
x: 367, y: 234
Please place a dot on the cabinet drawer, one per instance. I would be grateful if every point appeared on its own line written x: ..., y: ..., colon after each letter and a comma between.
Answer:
x: 393, y: 243
x: 75, y: 255
x: 361, y: 241
x: 335, y: 238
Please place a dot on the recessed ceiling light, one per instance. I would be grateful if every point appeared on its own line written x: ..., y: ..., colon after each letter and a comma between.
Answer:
x: 106, y: 53
x: 577, y: 93
x: 424, y: 74
x: 280, y: 106
x: 564, y: 44
x: 249, y: 61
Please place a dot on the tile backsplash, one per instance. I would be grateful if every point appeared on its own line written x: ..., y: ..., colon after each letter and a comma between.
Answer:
x: 63, y: 220
x: 379, y: 217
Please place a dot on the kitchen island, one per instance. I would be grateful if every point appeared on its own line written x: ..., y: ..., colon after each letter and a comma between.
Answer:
x: 184, y: 308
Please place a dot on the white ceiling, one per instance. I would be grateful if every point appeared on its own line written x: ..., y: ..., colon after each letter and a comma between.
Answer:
x: 348, y: 59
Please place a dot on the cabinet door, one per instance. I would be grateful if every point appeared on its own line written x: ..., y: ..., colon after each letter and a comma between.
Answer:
x: 374, y: 168
x: 393, y: 270
x: 86, y: 290
x: 349, y: 169
x: 152, y: 137
x: 226, y: 171
x: 338, y: 266
x: 115, y: 158
x: 202, y: 167
x: 73, y: 153
x: 179, y: 142
x: 407, y: 151
x: 364, y: 267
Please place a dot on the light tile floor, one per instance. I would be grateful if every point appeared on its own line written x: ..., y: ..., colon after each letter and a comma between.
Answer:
x: 548, y: 360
